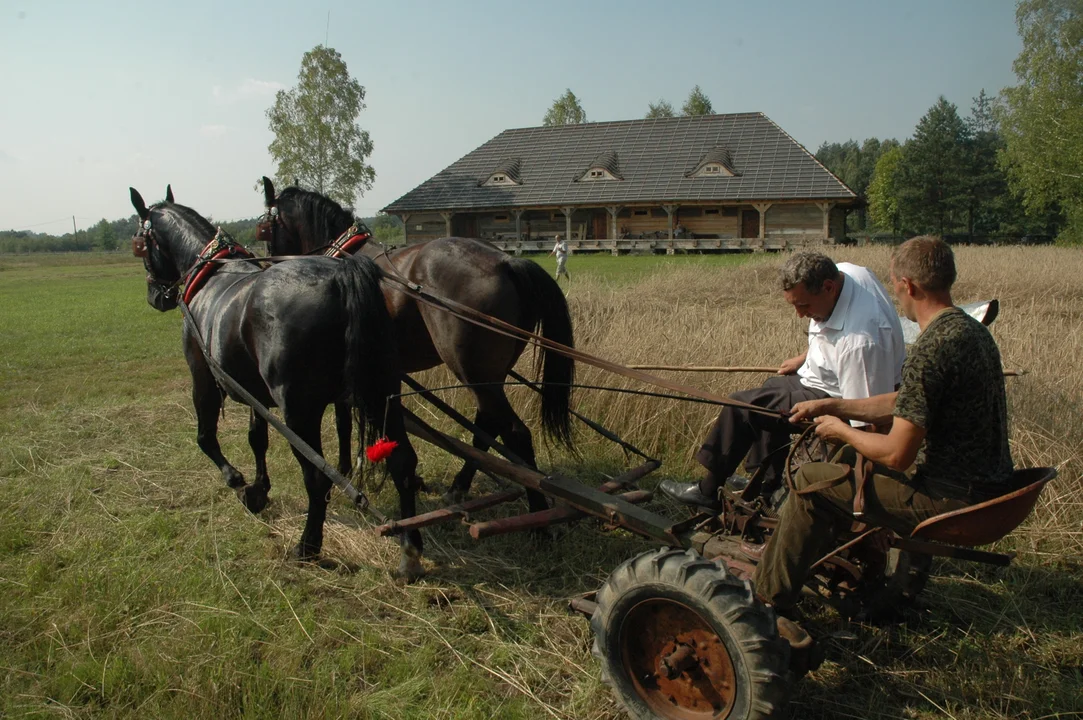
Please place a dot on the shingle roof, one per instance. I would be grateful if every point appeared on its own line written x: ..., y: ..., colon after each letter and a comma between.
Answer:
x: 655, y: 157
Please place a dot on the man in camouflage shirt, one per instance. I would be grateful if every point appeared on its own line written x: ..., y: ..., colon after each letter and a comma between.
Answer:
x: 949, y: 416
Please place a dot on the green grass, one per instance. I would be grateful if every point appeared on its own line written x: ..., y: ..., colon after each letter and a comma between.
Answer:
x: 134, y: 585
x: 623, y: 270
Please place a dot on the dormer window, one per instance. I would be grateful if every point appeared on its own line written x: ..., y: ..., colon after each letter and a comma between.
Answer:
x: 716, y: 162
x: 604, y: 167
x: 505, y: 173
x: 499, y: 179
x: 713, y: 170
x: 598, y: 174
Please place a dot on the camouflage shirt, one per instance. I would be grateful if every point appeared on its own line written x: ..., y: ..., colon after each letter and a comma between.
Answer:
x: 953, y: 387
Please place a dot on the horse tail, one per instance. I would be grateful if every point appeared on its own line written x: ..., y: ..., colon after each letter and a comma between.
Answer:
x: 371, y: 368
x: 544, y: 305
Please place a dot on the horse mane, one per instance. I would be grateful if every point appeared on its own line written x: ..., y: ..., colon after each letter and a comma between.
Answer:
x: 326, y: 217
x: 173, y: 213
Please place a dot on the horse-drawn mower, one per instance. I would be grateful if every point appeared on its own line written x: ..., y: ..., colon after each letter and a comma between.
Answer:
x: 679, y: 632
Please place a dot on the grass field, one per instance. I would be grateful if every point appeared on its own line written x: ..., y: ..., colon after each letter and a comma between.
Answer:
x: 134, y: 585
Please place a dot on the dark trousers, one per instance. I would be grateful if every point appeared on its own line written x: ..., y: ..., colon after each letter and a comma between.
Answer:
x: 809, y: 525
x: 738, y: 432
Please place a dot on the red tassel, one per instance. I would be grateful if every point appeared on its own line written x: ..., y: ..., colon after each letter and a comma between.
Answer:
x: 380, y: 450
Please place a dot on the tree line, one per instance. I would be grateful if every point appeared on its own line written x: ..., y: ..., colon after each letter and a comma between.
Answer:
x: 112, y: 235
x: 948, y: 178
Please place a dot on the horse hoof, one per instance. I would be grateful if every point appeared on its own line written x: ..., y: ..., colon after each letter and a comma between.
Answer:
x: 253, y: 497
x: 410, y: 569
x: 233, y: 479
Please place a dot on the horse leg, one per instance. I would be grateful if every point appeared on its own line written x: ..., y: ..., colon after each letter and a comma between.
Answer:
x: 460, y: 487
x: 317, y: 485
x: 207, y: 398
x: 518, y: 439
x: 254, y: 495
x: 499, y: 414
x: 402, y: 465
x: 344, y: 426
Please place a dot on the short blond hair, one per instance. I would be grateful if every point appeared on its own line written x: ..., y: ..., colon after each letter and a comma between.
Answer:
x: 927, y: 261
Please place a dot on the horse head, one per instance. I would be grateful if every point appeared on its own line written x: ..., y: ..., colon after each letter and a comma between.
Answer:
x: 168, y: 240
x: 299, y: 221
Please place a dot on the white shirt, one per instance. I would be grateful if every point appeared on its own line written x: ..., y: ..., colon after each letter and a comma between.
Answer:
x: 561, y: 249
x: 857, y: 352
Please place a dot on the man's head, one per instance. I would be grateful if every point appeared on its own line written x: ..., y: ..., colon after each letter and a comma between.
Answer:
x: 921, y: 267
x: 811, y: 283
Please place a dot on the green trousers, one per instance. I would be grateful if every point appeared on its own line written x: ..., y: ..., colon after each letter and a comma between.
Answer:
x: 809, y: 525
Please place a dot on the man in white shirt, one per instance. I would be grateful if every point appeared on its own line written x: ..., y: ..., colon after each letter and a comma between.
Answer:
x: 856, y: 350
x: 560, y: 249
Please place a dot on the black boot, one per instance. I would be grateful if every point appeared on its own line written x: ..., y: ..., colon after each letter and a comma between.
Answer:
x: 689, y: 494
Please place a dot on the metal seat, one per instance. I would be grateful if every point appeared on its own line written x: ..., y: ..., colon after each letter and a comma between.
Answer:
x: 991, y: 520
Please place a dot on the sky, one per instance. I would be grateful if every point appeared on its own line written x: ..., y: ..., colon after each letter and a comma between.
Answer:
x: 100, y: 95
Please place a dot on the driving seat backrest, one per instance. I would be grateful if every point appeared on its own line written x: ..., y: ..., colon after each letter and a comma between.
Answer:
x: 991, y: 520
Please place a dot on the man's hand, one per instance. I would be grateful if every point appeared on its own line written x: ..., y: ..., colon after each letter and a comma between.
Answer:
x: 809, y: 409
x: 789, y: 367
x: 830, y: 427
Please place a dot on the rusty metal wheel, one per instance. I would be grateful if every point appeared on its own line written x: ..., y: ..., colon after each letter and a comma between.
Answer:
x: 680, y: 638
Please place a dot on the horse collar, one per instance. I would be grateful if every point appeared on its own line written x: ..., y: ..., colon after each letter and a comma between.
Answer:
x: 221, y: 247
x: 349, y: 242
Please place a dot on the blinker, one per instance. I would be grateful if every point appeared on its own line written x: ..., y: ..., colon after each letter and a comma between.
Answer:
x: 139, y: 246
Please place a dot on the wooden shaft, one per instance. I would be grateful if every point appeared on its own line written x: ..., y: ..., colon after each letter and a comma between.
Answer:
x: 447, y: 514
x: 544, y: 518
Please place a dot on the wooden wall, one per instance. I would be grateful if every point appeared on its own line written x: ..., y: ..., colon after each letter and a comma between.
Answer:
x: 425, y: 226
x: 798, y: 221
x: 794, y: 220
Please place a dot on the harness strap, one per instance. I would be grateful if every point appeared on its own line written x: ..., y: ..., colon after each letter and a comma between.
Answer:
x: 476, y: 317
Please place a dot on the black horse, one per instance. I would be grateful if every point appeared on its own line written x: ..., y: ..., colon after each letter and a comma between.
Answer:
x: 299, y: 335
x: 473, y: 273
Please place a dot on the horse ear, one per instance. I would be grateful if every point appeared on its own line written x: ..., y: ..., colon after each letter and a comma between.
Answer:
x: 138, y: 204
x: 169, y: 193
x: 268, y: 192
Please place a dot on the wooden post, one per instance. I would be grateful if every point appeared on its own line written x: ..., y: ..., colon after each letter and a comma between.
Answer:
x: 447, y: 222
x: 405, y: 217
x: 614, y: 210
x: 826, y: 208
x: 762, y: 208
x: 568, y: 223
x: 518, y: 226
x: 670, y: 209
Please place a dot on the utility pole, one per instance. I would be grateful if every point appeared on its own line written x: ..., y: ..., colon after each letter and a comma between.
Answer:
x: 73, y: 230
x: 327, y: 30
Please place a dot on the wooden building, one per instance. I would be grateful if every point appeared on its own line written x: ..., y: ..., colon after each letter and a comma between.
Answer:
x: 714, y: 182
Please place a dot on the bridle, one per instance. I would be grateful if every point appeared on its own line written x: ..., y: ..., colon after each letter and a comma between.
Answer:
x: 143, y: 242
x: 221, y: 247
x: 267, y: 226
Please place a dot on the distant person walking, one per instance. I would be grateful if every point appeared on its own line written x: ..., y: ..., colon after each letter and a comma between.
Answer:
x: 560, y: 249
